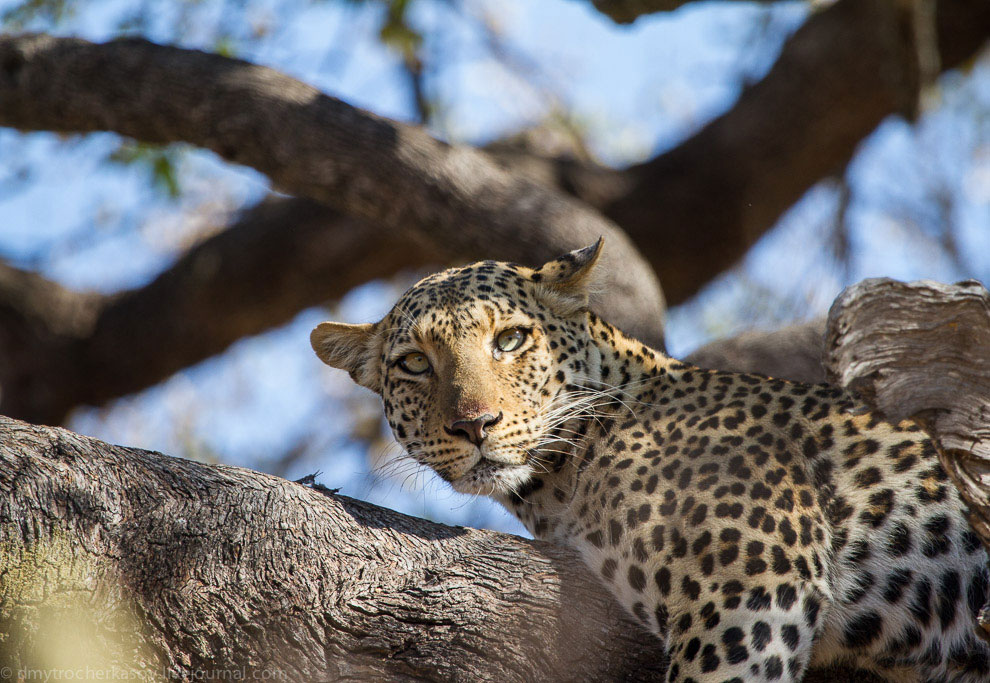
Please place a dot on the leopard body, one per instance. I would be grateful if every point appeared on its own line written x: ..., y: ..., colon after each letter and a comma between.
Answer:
x: 757, y: 526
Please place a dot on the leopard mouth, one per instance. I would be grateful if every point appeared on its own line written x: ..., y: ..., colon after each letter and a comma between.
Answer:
x: 492, y: 477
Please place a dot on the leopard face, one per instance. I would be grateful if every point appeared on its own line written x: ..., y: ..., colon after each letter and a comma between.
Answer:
x: 476, y: 367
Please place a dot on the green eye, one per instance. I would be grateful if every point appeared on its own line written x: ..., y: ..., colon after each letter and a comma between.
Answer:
x: 511, y: 339
x: 415, y: 363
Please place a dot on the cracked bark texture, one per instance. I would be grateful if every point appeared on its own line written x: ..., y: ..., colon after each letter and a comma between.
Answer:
x: 921, y: 350
x: 134, y: 561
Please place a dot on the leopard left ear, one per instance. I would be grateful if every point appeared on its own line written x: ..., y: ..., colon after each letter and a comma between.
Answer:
x: 565, y: 280
x: 354, y: 348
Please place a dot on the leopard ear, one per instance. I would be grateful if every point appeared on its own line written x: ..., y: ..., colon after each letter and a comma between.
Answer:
x: 564, y: 281
x: 354, y: 348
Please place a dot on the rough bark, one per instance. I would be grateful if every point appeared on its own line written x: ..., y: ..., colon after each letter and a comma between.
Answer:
x: 127, y: 560
x: 224, y: 568
x: 922, y: 350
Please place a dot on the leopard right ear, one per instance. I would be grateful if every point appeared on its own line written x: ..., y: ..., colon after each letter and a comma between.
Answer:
x: 354, y: 348
x: 563, y: 282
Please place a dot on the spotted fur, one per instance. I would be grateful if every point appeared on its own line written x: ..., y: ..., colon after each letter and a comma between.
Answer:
x: 756, y: 526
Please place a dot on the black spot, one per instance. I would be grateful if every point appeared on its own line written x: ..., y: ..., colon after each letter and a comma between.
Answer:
x: 637, y: 579
x: 699, y: 515
x: 710, y: 616
x: 868, y: 477
x: 656, y: 537
x: 773, y: 667
x: 781, y: 565
x: 880, y: 505
x: 786, y: 596
x: 948, y: 595
x: 791, y: 636
x: 921, y: 605
x: 811, y: 607
x: 898, y: 580
x: 755, y: 566
x: 899, y: 541
x: 662, y: 577
x: 691, y: 651
x: 691, y: 587
x: 787, y: 532
x: 761, y: 635
x: 758, y: 599
x: 709, y: 660
x: 937, y: 541
x: 614, y: 532
x: 863, y: 630
x: 976, y: 594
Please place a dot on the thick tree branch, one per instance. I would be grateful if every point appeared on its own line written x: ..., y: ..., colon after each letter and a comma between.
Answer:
x: 137, y: 560
x: 845, y: 70
x: 922, y: 351
x: 59, y: 349
x: 793, y: 352
x: 317, y: 147
x: 229, y: 568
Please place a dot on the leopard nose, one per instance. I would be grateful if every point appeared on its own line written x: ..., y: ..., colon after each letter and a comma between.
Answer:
x: 474, y: 429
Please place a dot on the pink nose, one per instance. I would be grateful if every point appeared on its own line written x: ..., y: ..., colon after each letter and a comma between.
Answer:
x: 474, y: 429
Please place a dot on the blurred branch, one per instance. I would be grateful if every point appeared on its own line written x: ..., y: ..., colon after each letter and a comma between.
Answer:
x: 628, y: 11
x: 693, y: 211
x: 60, y: 348
x: 841, y: 73
x: 317, y: 147
x: 793, y: 352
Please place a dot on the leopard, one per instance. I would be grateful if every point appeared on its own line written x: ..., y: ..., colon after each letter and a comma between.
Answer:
x: 757, y: 526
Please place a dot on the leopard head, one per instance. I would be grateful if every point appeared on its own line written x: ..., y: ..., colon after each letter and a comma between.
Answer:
x: 477, y: 366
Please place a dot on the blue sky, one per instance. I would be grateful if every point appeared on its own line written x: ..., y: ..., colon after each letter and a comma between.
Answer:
x: 634, y: 90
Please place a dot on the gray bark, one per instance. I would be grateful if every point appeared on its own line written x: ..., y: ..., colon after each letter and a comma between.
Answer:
x: 921, y: 350
x: 184, y: 567
x: 123, y: 559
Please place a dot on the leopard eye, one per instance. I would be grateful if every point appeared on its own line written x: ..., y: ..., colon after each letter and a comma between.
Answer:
x: 415, y: 363
x: 511, y: 339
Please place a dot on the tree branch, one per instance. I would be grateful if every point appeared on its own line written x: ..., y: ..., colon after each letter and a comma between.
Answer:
x: 793, y: 352
x: 137, y: 561
x: 317, y: 147
x: 628, y: 11
x: 59, y: 349
x: 459, y: 205
x: 846, y: 69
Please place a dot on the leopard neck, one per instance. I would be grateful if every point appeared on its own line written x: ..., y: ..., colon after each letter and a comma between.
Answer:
x: 620, y: 363
x: 629, y: 376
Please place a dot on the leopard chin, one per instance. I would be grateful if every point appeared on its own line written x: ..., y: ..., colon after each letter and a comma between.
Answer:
x: 491, y: 478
